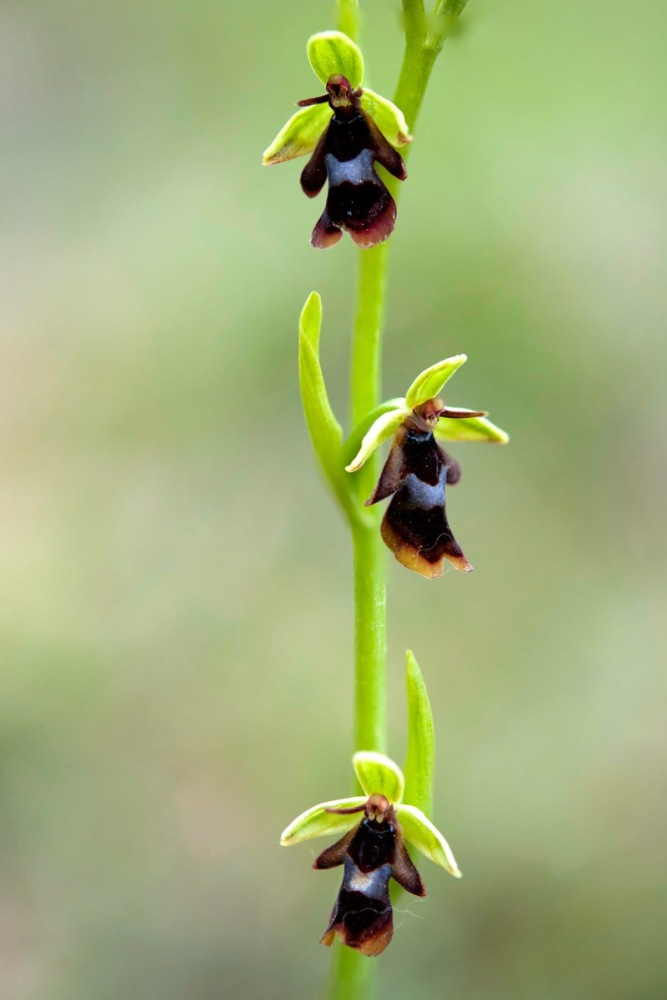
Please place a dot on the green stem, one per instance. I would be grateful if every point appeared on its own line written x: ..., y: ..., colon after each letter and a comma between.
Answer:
x: 352, y: 973
x: 370, y: 638
x: 348, y: 18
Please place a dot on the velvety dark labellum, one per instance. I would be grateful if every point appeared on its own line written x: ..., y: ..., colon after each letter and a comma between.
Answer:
x: 415, y: 525
x: 357, y: 201
x: 372, y: 853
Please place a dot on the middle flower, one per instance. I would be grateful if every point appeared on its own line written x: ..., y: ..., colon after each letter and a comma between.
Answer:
x: 415, y: 475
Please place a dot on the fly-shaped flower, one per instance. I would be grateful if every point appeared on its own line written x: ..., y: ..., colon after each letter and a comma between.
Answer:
x: 372, y: 852
x: 347, y: 130
x: 415, y: 475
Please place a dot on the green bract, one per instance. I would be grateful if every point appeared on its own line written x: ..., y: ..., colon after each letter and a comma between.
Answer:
x: 384, y: 422
x: 331, y: 53
x: 325, y: 431
x: 378, y: 775
x: 420, y: 758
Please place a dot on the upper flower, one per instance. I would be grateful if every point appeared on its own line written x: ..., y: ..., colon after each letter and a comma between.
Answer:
x: 373, y: 851
x: 347, y: 130
x: 417, y: 470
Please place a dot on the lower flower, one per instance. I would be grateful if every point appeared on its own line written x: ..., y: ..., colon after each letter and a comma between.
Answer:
x: 372, y: 852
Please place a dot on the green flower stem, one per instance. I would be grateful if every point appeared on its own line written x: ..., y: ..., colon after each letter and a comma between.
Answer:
x: 352, y: 973
x: 367, y: 336
x: 370, y: 638
x: 348, y: 18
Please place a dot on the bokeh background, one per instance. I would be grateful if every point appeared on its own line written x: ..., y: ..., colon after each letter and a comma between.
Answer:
x: 175, y: 678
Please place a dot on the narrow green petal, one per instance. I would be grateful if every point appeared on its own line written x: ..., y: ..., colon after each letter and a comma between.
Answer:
x: 325, y: 431
x: 384, y: 427
x: 388, y: 118
x: 420, y: 758
x: 299, y: 136
x: 317, y: 822
x: 423, y: 835
x: 469, y: 429
x: 332, y: 52
x: 429, y: 383
x: 378, y: 775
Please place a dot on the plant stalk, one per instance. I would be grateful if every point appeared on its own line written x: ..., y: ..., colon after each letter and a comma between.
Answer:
x: 353, y: 973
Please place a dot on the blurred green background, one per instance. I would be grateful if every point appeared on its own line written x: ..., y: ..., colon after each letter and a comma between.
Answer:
x: 176, y: 610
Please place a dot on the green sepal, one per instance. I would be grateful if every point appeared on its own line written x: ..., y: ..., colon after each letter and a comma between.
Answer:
x: 317, y: 822
x: 325, y: 431
x: 388, y: 118
x: 382, y: 428
x: 423, y: 835
x: 299, y: 136
x: 430, y: 382
x: 331, y: 52
x: 356, y: 436
x: 378, y: 775
x: 469, y: 429
x: 420, y: 758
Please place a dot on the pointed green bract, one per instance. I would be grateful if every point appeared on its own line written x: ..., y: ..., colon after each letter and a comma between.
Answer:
x: 299, y: 136
x: 469, y: 429
x: 325, y: 431
x: 317, y: 822
x: 383, y: 428
x: 430, y: 382
x: 378, y: 775
x: 331, y: 52
x: 388, y: 118
x: 423, y: 835
x: 420, y: 758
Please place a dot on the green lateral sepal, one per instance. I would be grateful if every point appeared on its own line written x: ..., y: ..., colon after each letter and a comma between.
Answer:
x: 319, y: 822
x: 382, y: 428
x: 423, y: 835
x: 388, y: 118
x: 299, y: 136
